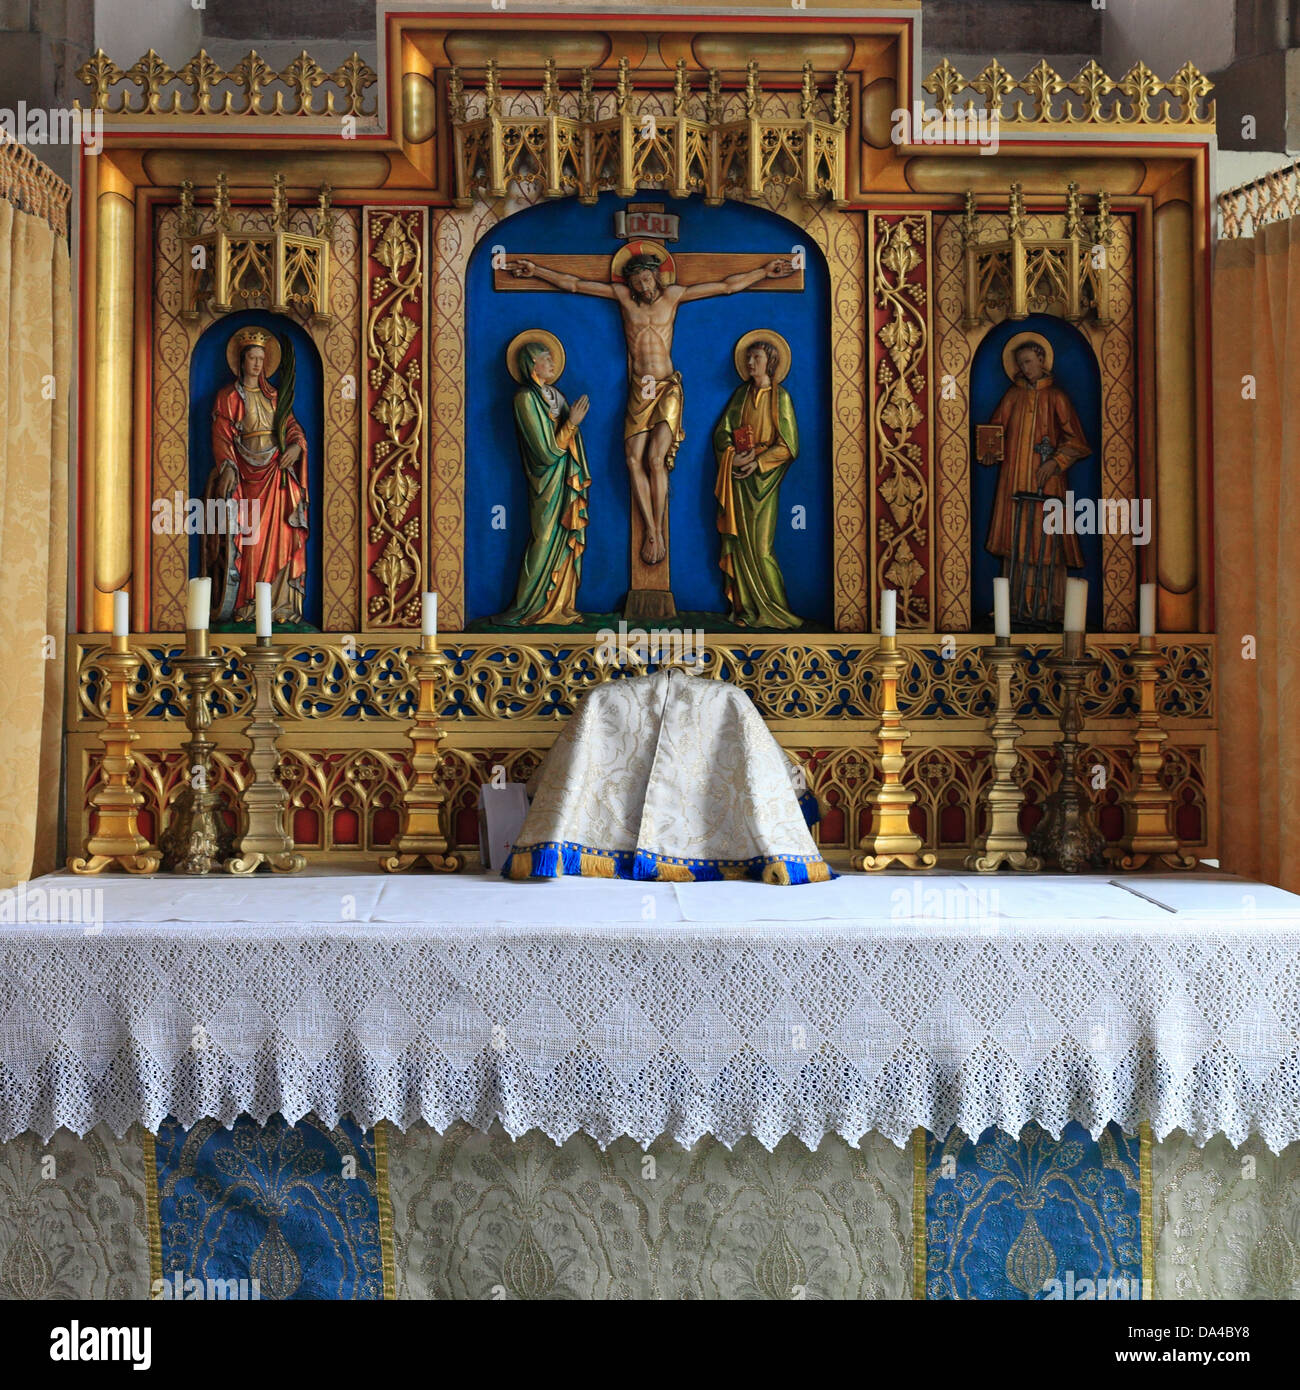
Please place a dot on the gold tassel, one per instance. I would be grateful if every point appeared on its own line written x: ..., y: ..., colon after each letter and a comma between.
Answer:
x: 777, y: 872
x: 597, y: 866
x: 520, y: 864
x: 819, y: 872
x: 673, y: 873
x: 734, y: 871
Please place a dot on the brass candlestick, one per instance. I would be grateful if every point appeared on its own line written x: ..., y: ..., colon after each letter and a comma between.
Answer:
x: 197, y: 839
x: 117, y: 838
x: 1148, y: 807
x: 424, y: 805
x: 1003, y: 842
x: 1064, y: 836
x: 265, y: 839
x: 892, y: 839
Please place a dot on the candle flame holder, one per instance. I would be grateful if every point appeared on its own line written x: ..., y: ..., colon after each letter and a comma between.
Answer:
x: 891, y: 841
x: 1065, y: 836
x: 265, y: 840
x: 1003, y: 843
x: 1148, y: 807
x: 423, y: 833
x: 197, y: 839
x: 116, y: 803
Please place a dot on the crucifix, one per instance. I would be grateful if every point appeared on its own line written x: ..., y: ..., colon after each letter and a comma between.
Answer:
x: 648, y: 284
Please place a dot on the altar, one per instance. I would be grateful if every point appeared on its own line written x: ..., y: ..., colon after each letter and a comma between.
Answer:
x: 660, y: 1044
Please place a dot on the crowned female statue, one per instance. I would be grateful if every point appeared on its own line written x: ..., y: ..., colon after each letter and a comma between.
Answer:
x: 259, y: 464
x: 754, y: 443
x: 555, y: 467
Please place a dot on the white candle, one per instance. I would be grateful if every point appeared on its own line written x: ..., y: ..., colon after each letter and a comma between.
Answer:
x: 1147, y: 610
x: 262, y: 598
x: 1076, y: 605
x: 1002, y: 608
x: 429, y: 615
x: 121, y: 613
x: 889, y: 612
x: 199, y: 604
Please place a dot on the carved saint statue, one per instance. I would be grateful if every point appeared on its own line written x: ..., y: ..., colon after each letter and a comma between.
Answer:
x: 1033, y: 436
x: 555, y: 466
x: 648, y: 301
x: 755, y: 442
x: 259, y: 460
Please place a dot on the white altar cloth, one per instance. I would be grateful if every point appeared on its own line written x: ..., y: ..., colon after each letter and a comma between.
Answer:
x: 869, y: 1003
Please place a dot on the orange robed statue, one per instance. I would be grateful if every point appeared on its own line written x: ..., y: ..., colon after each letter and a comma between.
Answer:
x: 259, y: 458
x: 1034, y: 435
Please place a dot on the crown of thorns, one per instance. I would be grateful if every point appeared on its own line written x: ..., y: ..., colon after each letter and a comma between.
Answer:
x: 635, y: 263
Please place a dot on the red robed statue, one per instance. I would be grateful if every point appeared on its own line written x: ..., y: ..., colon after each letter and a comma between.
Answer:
x: 259, y: 463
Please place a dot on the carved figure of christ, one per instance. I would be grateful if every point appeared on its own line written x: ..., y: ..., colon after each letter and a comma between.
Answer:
x: 652, y: 427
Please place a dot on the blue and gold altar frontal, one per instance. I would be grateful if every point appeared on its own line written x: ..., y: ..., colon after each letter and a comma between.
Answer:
x: 309, y: 1211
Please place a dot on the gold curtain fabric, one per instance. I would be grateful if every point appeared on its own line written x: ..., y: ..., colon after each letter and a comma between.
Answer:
x: 1256, y: 475
x: 35, y: 385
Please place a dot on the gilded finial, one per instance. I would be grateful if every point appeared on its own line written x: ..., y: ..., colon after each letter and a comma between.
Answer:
x: 753, y: 92
x: 1073, y: 211
x: 324, y: 215
x: 221, y: 204
x: 456, y: 94
x: 840, y: 100
x: 189, y: 219
x: 969, y: 229
x: 1103, y: 232
x: 807, y: 92
x: 1016, y: 210
x: 586, y: 97
x: 492, y: 88
x: 279, y: 204
x: 550, y: 90
x: 681, y: 89
x: 623, y: 86
x: 713, y: 99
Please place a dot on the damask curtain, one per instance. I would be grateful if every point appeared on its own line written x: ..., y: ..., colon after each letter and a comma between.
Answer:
x: 35, y: 385
x: 1257, y: 549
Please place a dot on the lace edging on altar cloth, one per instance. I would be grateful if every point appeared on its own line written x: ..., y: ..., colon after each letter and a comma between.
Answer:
x: 727, y: 1028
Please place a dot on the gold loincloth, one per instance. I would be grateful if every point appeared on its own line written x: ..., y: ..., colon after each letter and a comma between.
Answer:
x: 665, y: 406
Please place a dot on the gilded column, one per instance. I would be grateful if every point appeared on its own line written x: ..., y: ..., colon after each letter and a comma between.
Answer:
x: 1176, y: 442
x: 114, y: 349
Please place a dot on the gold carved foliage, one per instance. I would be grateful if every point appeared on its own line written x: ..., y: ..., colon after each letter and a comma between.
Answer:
x: 900, y: 414
x: 563, y: 145
x: 251, y: 88
x: 324, y: 681
x: 395, y: 547
x: 346, y: 801
x: 1133, y: 100
x: 345, y: 751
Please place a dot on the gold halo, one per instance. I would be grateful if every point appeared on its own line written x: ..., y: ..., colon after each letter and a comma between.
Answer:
x: 535, y: 335
x: 272, y: 346
x: 755, y: 335
x: 1018, y: 340
x: 667, y: 266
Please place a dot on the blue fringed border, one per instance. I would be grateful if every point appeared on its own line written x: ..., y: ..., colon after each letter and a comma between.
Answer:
x: 563, y: 858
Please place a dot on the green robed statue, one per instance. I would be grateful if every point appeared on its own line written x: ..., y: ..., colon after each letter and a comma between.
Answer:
x: 755, y: 442
x: 555, y: 466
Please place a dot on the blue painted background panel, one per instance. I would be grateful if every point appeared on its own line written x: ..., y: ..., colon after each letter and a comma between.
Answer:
x: 592, y: 333
x: 209, y: 372
x: 1075, y: 370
